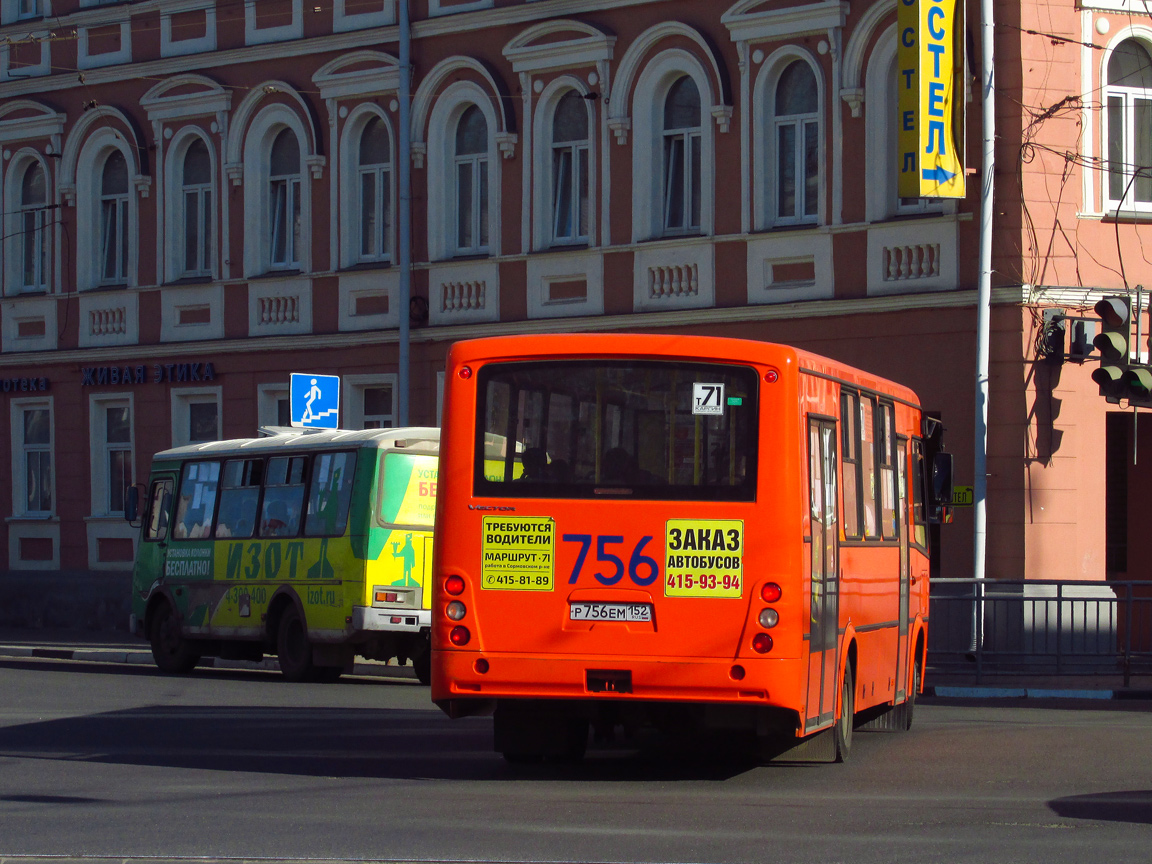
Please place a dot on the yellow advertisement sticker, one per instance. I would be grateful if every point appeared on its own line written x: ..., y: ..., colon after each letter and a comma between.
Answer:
x: 519, y: 553
x: 704, y: 558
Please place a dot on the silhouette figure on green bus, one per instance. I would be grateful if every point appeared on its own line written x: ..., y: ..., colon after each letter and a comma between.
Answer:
x: 408, y: 555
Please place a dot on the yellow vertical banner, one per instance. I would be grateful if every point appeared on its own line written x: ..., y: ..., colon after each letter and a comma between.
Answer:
x: 930, y: 98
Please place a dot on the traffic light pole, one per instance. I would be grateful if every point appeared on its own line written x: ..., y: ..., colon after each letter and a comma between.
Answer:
x: 983, y: 316
x: 405, y: 291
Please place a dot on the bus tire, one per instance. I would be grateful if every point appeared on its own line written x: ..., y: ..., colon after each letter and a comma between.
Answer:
x: 170, y: 650
x: 907, y: 708
x: 844, y: 725
x: 293, y: 648
x: 423, y: 667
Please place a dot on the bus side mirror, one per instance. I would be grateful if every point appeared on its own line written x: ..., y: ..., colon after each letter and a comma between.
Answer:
x: 132, y: 505
x: 940, y: 488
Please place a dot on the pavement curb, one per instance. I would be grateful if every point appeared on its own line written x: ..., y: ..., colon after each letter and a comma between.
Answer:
x: 144, y: 658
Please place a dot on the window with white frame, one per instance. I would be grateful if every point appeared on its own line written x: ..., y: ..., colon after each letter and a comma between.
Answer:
x: 34, y: 228
x: 570, y: 182
x: 471, y: 172
x: 1128, y: 118
x: 369, y: 401
x: 284, y: 202
x: 375, y: 191
x: 682, y: 160
x: 195, y: 416
x: 112, y: 454
x: 28, y: 9
x: 273, y: 407
x: 796, y: 140
x: 196, y: 209
x: 114, y: 220
x: 32, y: 457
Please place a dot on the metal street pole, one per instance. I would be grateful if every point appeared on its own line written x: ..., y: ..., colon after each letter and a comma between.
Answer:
x: 404, y: 303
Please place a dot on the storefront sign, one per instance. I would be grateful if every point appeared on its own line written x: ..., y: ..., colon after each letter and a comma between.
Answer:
x: 157, y: 373
x: 23, y: 385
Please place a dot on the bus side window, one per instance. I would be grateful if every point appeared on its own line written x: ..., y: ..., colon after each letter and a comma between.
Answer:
x: 239, y: 496
x: 197, y: 500
x: 159, y: 503
x: 850, y: 456
x: 331, y: 492
x: 283, y: 496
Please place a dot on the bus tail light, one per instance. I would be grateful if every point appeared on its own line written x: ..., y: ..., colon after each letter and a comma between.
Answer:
x: 454, y: 585
x: 769, y: 618
x: 460, y: 636
x: 771, y: 592
x: 465, y: 372
x: 456, y: 610
x: 761, y: 642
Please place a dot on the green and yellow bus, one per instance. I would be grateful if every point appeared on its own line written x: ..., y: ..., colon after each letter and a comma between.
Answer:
x: 315, y: 545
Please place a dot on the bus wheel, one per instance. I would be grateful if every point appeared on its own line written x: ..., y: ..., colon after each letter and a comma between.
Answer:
x: 847, y: 710
x: 171, y: 651
x: 423, y: 667
x: 907, y: 708
x: 327, y: 674
x: 293, y: 648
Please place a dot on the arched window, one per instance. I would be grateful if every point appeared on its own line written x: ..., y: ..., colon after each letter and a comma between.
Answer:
x: 114, y: 220
x: 1128, y: 95
x: 682, y: 130
x: 196, y: 187
x: 570, y: 170
x: 34, y: 229
x: 796, y: 138
x: 375, y: 192
x: 284, y: 201
x: 471, y: 182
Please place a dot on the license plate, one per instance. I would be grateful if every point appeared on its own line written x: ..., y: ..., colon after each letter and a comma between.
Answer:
x: 610, y: 611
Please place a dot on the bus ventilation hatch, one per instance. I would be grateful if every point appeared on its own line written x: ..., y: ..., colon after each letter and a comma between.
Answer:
x: 609, y: 681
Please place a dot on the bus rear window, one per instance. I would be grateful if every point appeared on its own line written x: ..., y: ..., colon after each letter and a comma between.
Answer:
x: 589, y: 429
x: 408, y: 489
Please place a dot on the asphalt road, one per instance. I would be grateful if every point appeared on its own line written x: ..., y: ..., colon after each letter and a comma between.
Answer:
x: 103, y: 761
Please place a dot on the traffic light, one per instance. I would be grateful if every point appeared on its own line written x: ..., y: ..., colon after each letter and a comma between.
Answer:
x: 1051, y: 345
x: 1112, y: 343
x: 1137, y: 383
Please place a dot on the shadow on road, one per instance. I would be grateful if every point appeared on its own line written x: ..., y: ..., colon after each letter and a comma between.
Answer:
x: 1106, y: 807
x: 315, y: 740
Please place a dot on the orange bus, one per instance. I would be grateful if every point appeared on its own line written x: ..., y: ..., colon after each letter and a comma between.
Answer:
x: 687, y: 532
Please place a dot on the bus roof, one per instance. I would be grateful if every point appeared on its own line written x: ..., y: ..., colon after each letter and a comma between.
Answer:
x: 678, y: 346
x: 280, y: 437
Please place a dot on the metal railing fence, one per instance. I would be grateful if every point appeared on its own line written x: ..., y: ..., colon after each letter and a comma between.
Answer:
x: 1043, y: 627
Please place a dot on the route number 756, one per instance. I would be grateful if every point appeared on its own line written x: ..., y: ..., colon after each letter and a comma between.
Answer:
x: 643, y: 569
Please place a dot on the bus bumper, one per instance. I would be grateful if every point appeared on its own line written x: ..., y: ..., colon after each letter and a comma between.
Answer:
x: 769, y: 682
x: 390, y: 620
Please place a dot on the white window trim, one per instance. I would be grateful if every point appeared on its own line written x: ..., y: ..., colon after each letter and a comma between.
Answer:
x: 174, y: 211
x: 84, y: 60
x: 1110, y: 204
x: 267, y: 395
x: 542, y: 191
x: 445, y: 115
x: 89, y: 174
x: 19, y: 472
x: 343, y: 21
x: 14, y: 234
x: 257, y: 204
x: 98, y: 403
x: 353, y: 387
x: 357, y: 119
x: 652, y: 87
x: 764, y: 189
x: 437, y: 8
x: 10, y: 11
x: 181, y: 47
x: 258, y: 36
x: 182, y: 397
x: 44, y: 67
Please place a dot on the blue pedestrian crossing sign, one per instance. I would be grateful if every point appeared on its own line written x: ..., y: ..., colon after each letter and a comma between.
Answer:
x: 315, y: 400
